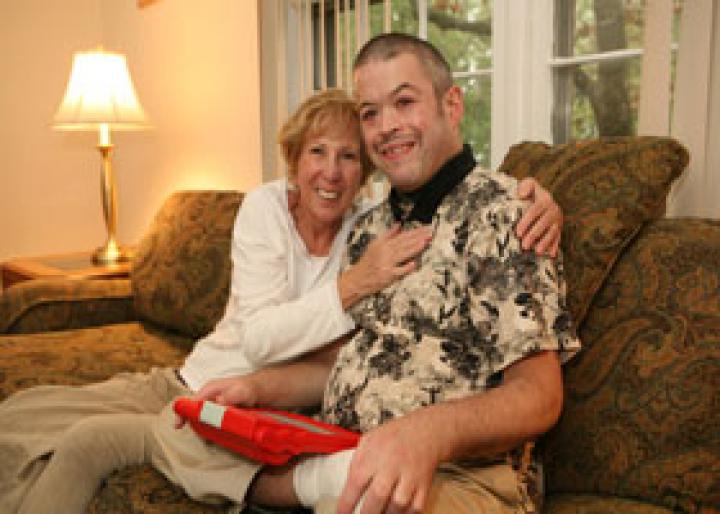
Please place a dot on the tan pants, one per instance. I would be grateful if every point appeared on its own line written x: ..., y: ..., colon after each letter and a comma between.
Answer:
x: 456, y: 490
x: 57, y: 443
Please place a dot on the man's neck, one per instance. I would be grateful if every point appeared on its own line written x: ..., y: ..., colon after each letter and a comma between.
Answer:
x: 421, y: 204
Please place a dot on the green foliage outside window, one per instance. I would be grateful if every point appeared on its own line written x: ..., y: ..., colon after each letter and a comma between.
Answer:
x: 603, y: 97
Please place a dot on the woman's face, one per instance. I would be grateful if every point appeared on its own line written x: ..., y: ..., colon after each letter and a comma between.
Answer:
x: 329, y: 174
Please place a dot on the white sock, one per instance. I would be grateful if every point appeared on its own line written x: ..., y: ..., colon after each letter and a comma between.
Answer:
x: 320, y: 476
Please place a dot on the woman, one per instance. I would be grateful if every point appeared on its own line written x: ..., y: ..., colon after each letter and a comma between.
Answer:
x: 57, y: 443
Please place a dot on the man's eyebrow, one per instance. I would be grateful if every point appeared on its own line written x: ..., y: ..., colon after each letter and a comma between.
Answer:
x: 404, y: 85
x: 394, y: 92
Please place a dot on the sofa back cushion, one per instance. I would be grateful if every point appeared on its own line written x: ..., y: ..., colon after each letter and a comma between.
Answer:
x: 642, y: 403
x: 607, y: 189
x: 181, y: 271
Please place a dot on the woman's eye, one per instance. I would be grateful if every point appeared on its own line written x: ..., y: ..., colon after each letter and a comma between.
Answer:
x: 404, y: 101
x: 368, y: 115
x: 351, y: 156
x: 316, y: 150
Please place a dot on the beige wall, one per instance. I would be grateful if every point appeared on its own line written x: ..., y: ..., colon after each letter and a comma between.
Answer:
x: 195, y: 65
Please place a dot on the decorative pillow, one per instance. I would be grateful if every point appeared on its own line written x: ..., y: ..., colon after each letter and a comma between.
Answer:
x: 607, y: 189
x: 642, y: 404
x: 181, y: 272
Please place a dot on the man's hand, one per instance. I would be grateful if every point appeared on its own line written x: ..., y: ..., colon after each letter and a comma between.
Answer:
x: 392, y: 469
x: 541, y: 225
x: 387, y: 258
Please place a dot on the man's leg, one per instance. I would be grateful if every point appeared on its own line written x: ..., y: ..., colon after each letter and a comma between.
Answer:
x: 273, y: 487
x: 455, y: 490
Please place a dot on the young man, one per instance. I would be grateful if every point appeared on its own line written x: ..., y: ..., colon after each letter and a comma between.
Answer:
x: 455, y: 368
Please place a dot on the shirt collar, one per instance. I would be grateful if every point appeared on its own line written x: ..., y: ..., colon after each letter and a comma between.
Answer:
x: 422, y: 204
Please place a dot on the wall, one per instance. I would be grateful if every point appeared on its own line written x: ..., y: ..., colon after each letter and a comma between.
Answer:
x: 195, y: 65
x: 713, y: 157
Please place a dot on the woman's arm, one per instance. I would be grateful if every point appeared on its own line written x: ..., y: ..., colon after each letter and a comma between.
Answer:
x: 272, y: 320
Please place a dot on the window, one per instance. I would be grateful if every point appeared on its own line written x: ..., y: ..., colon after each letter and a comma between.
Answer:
x: 551, y: 70
x: 598, y: 66
x: 461, y: 29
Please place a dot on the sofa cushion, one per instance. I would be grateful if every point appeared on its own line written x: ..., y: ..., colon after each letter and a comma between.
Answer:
x: 606, y: 188
x: 81, y: 356
x: 181, y: 272
x: 642, y: 403
x: 590, y: 504
x: 42, y: 305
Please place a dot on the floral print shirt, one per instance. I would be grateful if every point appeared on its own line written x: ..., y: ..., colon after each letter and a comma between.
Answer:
x: 476, y: 304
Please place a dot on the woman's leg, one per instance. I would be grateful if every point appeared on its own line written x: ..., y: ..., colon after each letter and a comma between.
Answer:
x: 34, y: 420
x: 85, y: 454
x: 206, y: 471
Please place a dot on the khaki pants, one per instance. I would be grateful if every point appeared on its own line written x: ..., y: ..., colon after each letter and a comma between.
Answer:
x: 57, y: 443
x: 456, y: 490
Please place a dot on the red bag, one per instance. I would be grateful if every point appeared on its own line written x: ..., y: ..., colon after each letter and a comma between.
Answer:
x: 264, y: 435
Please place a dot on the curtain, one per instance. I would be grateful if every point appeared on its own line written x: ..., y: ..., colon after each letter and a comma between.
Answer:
x: 296, y: 34
x: 697, y: 97
x: 695, y: 119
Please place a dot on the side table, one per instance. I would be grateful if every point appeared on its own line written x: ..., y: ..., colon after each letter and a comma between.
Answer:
x: 77, y: 265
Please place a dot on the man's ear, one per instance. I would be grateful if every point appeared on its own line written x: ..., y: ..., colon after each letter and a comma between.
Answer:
x: 454, y: 105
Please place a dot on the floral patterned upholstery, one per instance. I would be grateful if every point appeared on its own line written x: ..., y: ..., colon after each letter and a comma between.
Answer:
x: 52, y: 304
x: 81, y: 356
x: 587, y: 504
x: 181, y: 272
x: 642, y: 408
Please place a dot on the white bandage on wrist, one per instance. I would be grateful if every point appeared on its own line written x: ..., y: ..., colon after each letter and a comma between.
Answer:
x: 320, y: 476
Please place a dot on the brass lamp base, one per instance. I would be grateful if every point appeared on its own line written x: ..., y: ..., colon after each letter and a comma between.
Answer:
x: 111, y: 253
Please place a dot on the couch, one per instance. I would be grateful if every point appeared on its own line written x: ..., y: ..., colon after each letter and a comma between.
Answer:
x: 640, y: 430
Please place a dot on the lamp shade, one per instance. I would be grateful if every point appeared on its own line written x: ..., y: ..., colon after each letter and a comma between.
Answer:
x: 100, y: 92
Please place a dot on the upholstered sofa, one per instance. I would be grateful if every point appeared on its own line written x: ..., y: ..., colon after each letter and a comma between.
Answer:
x: 640, y: 432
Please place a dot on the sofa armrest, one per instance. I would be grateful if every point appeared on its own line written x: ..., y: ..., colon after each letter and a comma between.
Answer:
x: 57, y: 304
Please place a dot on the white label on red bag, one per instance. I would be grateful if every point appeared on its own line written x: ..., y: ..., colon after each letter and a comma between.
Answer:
x: 212, y: 414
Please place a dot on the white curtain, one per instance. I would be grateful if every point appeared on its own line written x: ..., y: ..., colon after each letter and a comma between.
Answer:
x: 696, y: 110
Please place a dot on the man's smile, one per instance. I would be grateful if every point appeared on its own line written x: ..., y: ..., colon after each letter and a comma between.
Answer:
x: 396, y: 150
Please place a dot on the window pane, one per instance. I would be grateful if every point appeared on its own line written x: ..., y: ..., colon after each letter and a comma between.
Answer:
x: 476, y: 122
x: 461, y: 30
x: 605, y: 99
x: 404, y: 17
x: 599, y: 99
x: 604, y: 25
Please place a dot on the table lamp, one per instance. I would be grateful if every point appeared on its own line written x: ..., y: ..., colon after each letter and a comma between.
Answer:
x: 100, y: 96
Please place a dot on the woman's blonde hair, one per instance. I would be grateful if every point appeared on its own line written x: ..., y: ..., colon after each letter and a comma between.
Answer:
x: 331, y: 108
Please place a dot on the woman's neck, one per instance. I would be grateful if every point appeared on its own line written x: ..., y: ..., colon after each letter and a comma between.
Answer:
x: 318, y: 237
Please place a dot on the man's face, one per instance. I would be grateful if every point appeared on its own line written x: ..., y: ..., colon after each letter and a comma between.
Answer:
x: 407, y: 132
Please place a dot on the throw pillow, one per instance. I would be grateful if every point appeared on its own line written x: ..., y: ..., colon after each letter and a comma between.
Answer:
x: 607, y: 189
